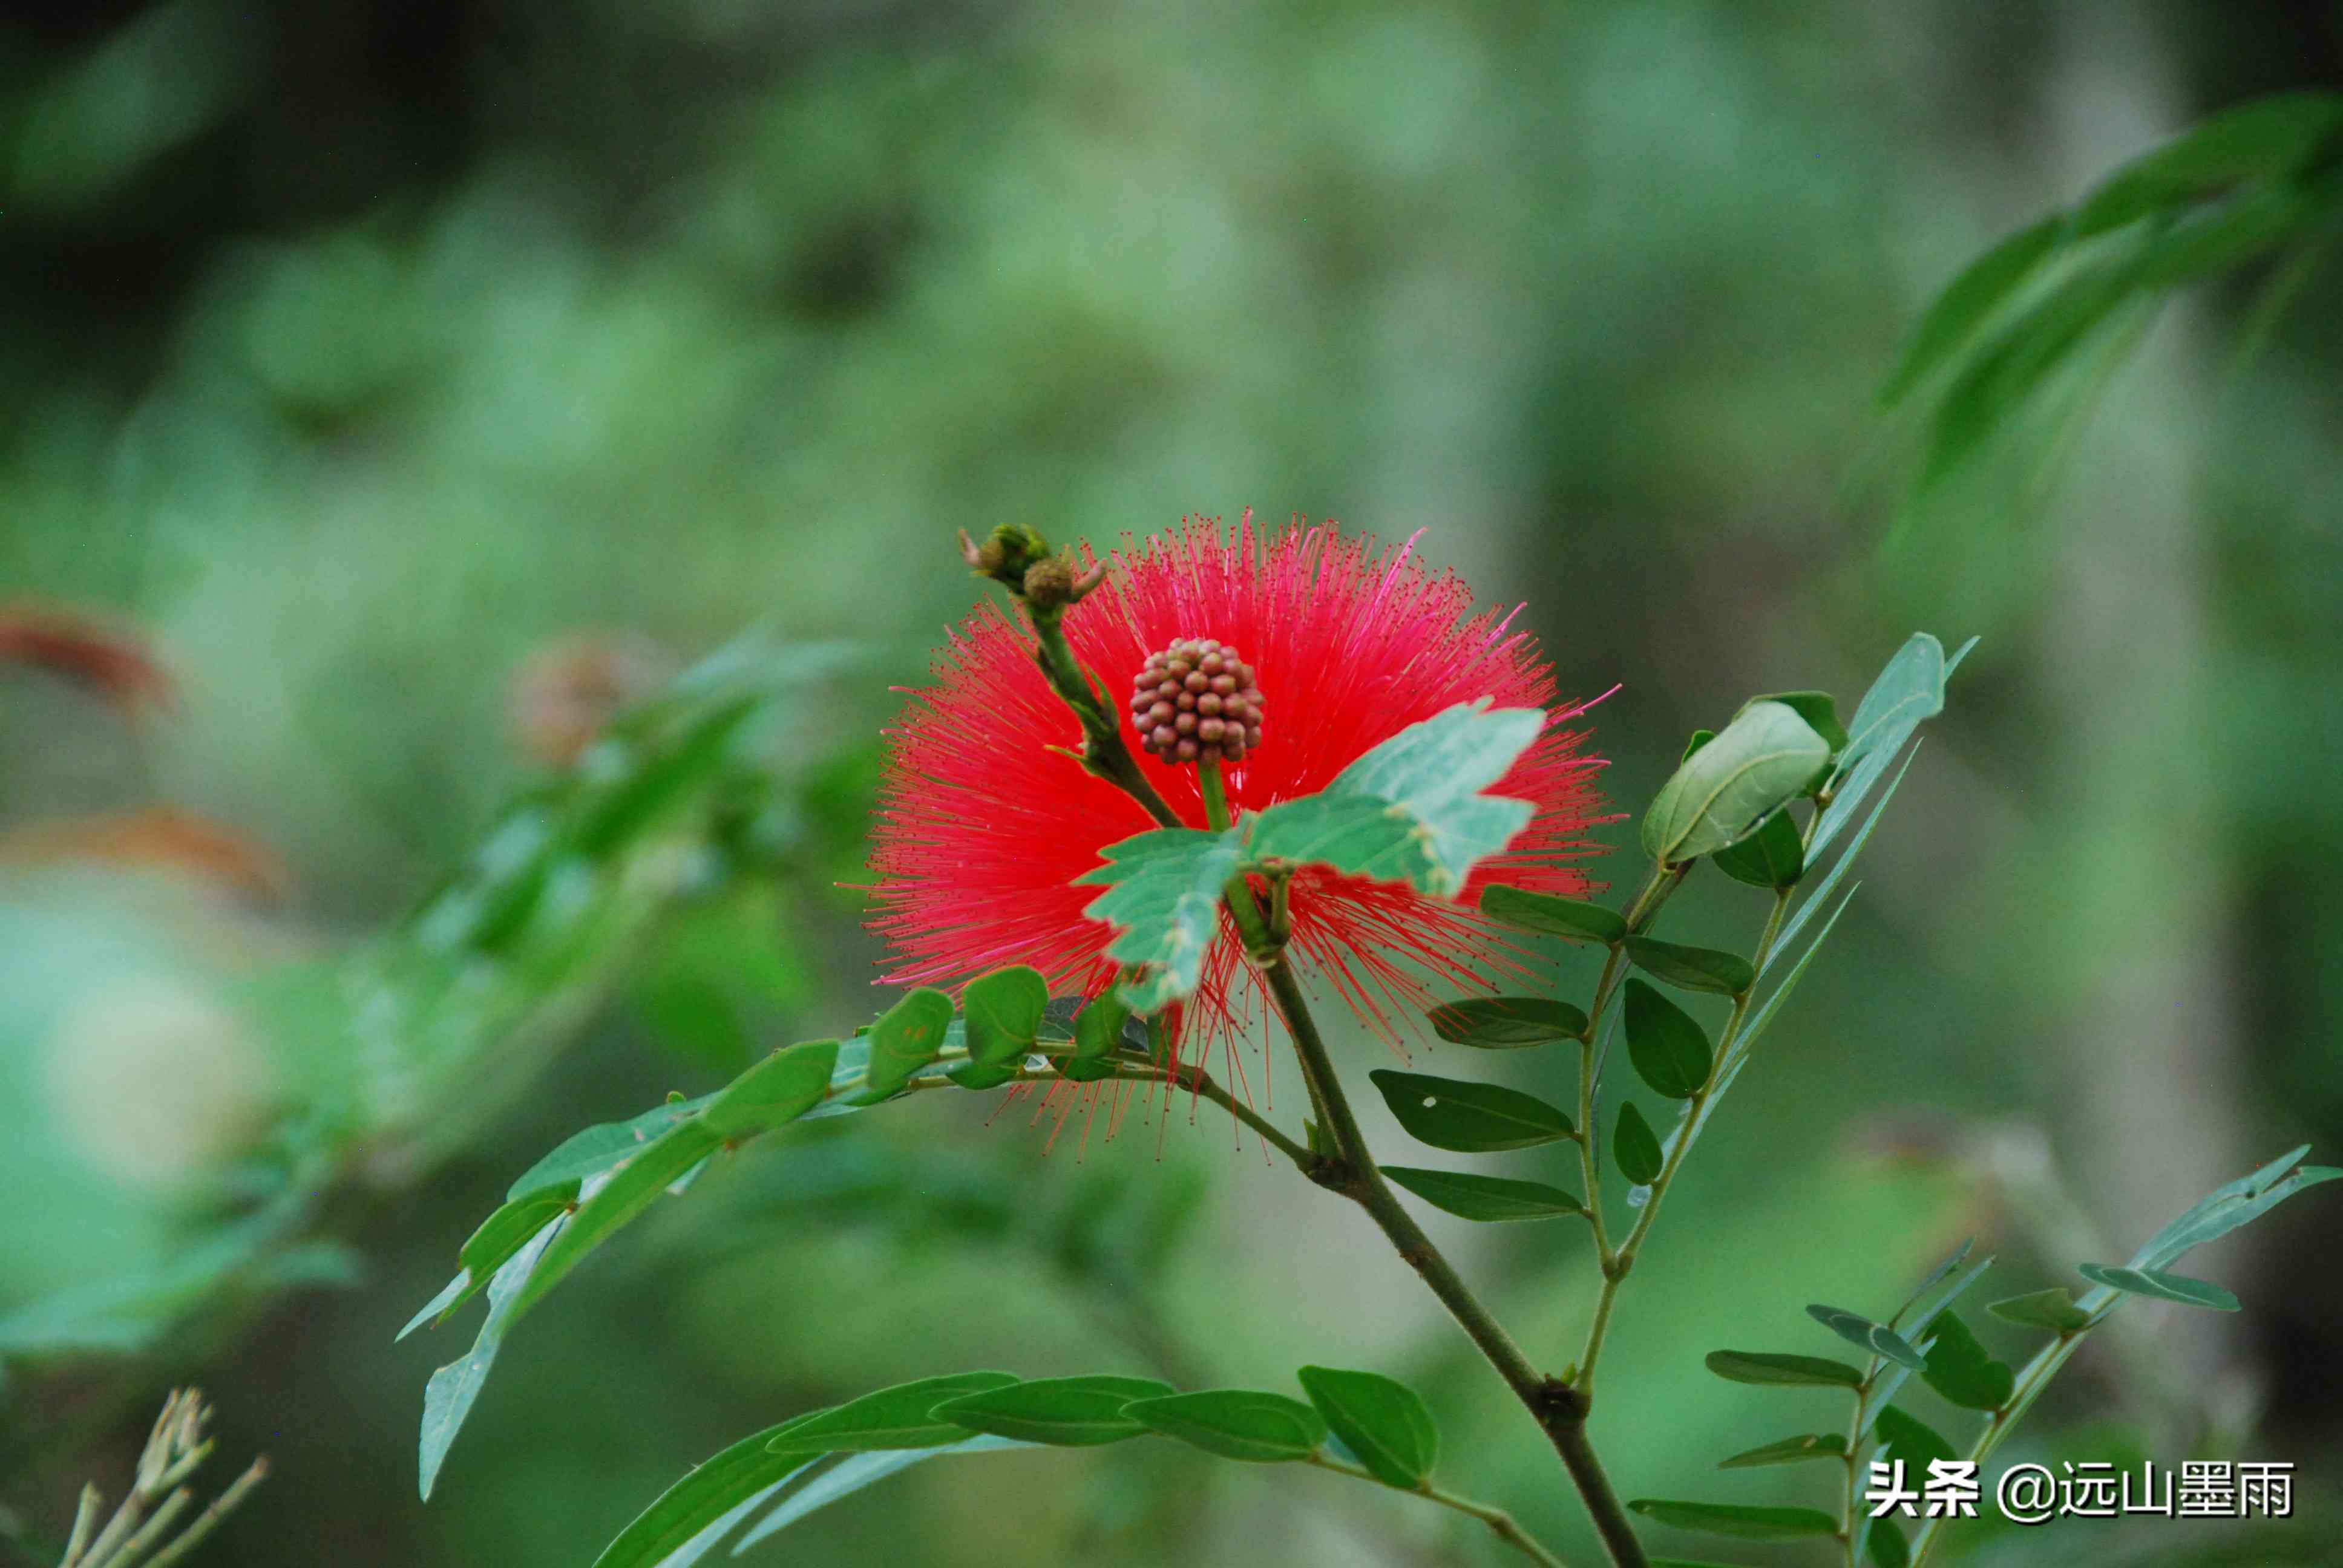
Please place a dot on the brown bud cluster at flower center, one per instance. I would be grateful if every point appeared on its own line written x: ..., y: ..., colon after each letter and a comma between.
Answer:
x: 1197, y: 699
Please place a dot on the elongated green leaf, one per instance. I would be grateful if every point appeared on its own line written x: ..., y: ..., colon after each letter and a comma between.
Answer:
x: 774, y: 1092
x: 686, y: 1521
x: 1163, y: 890
x: 1412, y: 809
x: 1235, y: 1423
x: 1960, y: 1369
x: 1876, y: 1338
x: 1905, y: 1436
x: 2053, y: 1309
x: 1741, y: 1520
x: 906, y: 1038
x: 1764, y: 759
x: 1384, y: 1422
x: 1636, y: 1147
x: 898, y: 1417
x: 500, y: 1235
x: 1766, y: 1367
x: 1907, y: 693
x: 1552, y: 915
x: 1772, y: 858
x: 1004, y: 1012
x: 1789, y: 1450
x: 1935, y: 1277
x: 1059, y: 1412
x: 850, y: 1473
x: 1468, y: 1118
x: 1692, y: 969
x: 1981, y: 287
x: 623, y: 1194
x: 2266, y: 138
x: 448, y: 1397
x: 1670, y: 1051
x: 2158, y: 1285
x: 1506, y: 1022
x: 2228, y: 1207
x: 599, y: 1148
x: 1484, y: 1198
x: 1885, y: 1544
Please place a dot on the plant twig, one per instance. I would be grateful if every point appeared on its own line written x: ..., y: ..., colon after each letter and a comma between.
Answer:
x: 1501, y: 1523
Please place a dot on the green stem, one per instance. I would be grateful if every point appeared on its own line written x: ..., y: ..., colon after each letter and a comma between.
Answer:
x: 1505, y: 1527
x: 1103, y: 752
x: 1623, y: 1263
x: 1655, y: 890
x: 1559, y: 1410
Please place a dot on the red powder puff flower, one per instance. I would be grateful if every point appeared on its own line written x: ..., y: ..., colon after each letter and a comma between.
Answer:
x: 986, y: 819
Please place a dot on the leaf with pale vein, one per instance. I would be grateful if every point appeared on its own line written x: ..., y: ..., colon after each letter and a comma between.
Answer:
x: 1163, y: 890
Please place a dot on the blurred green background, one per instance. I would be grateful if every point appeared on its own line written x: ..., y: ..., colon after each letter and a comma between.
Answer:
x: 411, y: 383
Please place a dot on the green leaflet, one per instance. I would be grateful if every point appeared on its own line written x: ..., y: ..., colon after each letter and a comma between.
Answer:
x: 1484, y: 1198
x: 1748, y: 1524
x: 1903, y: 1436
x: 2158, y: 1285
x: 623, y: 1194
x: 1670, y: 1051
x: 1468, y: 1118
x: 1567, y: 918
x: 898, y: 1417
x: 1772, y: 858
x: 773, y: 1093
x: 1764, y: 759
x: 1004, y: 1010
x: 1236, y: 1423
x: 1061, y: 1412
x: 1878, y: 1338
x: 597, y: 1149
x: 686, y: 1521
x: 1961, y: 1371
x: 1634, y: 1147
x: 2053, y: 1309
x: 447, y: 1398
x: 1163, y: 890
x: 1506, y: 1022
x: 1766, y: 1367
x: 1382, y: 1421
x: 905, y: 1039
x: 1690, y: 967
x: 1789, y: 1450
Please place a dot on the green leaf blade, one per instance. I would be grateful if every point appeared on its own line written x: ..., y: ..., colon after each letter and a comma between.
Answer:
x: 1506, y: 1022
x: 1770, y: 1369
x: 1163, y: 892
x: 899, y: 1417
x: 2156, y: 1284
x: 1669, y: 1050
x: 1247, y: 1424
x: 1789, y: 1450
x: 1059, y: 1413
x: 1487, y: 1199
x: 1719, y: 794
x: 1468, y: 1118
x: 1961, y: 1371
x: 1744, y: 1522
x: 1570, y: 919
x: 1004, y: 1010
x: 1878, y: 1338
x: 1636, y: 1147
x: 774, y: 1092
x: 1690, y: 968
x: 2053, y: 1309
x: 1383, y: 1421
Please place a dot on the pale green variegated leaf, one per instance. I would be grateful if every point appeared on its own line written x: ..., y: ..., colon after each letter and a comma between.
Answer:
x: 2230, y: 1206
x: 1412, y: 809
x: 853, y: 1471
x: 1766, y: 758
x: 1163, y: 892
x: 689, y: 1519
x: 448, y: 1397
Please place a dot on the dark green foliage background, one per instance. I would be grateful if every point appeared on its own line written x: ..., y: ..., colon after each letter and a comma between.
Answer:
x: 355, y: 352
